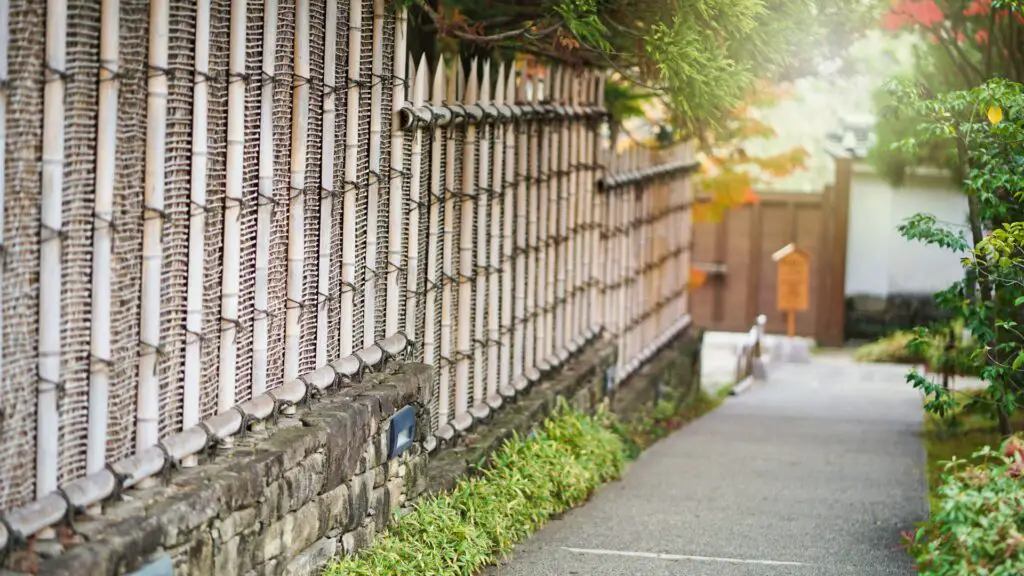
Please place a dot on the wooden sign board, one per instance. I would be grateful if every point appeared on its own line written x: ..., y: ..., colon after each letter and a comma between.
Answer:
x: 794, y: 279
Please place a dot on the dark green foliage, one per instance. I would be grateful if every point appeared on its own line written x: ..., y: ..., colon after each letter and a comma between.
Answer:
x: 976, y: 525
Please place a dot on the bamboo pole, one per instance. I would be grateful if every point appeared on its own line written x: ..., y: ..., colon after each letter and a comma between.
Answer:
x: 396, y: 199
x: 494, y: 293
x: 297, y: 208
x: 464, y: 325
x: 507, y: 83
x: 5, y: 35
x: 230, y: 279
x: 327, y: 179
x: 578, y: 225
x: 441, y: 90
x: 434, y: 241
x: 373, y: 194
x: 419, y: 91
x: 522, y: 138
x: 265, y: 210
x: 348, y: 226
x: 481, y: 245
x: 533, y: 267
x: 597, y: 252
x: 566, y: 226
x: 626, y: 270
x: 197, y: 226
x: 103, y: 232
x: 594, y: 211
x: 543, y: 237
x: 47, y: 418
x: 551, y: 170
x: 148, y: 429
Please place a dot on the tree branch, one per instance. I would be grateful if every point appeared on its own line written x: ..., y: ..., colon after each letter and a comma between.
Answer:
x: 526, y: 31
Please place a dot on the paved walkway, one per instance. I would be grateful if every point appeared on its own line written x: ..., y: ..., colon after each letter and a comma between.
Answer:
x: 815, y: 472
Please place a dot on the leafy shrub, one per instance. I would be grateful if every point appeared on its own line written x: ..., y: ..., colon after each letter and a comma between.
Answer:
x: 529, y: 481
x: 925, y: 346
x: 977, y: 521
x: 892, y: 348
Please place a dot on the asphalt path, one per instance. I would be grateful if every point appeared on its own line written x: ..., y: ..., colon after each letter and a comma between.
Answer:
x: 815, y: 472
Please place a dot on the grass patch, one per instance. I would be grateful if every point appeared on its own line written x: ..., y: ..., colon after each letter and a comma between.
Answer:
x: 932, y: 349
x: 528, y: 482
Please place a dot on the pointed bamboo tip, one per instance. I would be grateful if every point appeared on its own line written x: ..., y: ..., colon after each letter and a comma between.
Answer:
x: 485, y: 83
x: 439, y: 84
x: 419, y: 89
x: 510, y: 84
x: 499, y: 84
x: 472, y: 84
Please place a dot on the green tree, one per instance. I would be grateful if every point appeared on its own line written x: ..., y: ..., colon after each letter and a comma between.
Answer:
x: 701, y: 57
x: 986, y: 126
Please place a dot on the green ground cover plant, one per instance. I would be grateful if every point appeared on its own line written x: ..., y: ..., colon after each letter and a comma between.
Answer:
x: 529, y: 481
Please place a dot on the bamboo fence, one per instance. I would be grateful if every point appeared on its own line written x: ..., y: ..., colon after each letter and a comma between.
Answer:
x: 213, y: 209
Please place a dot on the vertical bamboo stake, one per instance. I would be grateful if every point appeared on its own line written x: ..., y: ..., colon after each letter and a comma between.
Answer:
x: 197, y: 225
x: 103, y: 232
x: 481, y: 245
x: 594, y: 212
x: 567, y: 233
x: 47, y: 419
x: 522, y: 287
x: 466, y: 265
x: 265, y: 210
x: 373, y: 195
x: 626, y: 203
x: 508, y: 247
x: 327, y: 179
x: 494, y: 347
x: 396, y: 203
x: 5, y: 35
x: 543, y: 237
x: 551, y: 258
x: 447, y: 252
x: 551, y: 239
x: 419, y: 91
x: 297, y: 208
x: 148, y: 430
x: 532, y: 174
x: 296, y: 224
x: 434, y: 240
x: 595, y: 253
x: 230, y: 286
x: 348, y: 225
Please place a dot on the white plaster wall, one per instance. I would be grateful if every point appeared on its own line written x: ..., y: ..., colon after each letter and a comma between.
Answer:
x: 913, y: 267
x: 879, y: 261
x: 869, y: 236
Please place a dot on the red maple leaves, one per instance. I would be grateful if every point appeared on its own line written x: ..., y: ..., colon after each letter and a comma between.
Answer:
x: 931, y: 16
x: 925, y: 13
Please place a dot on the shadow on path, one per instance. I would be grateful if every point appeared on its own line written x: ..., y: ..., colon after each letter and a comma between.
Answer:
x: 815, y: 472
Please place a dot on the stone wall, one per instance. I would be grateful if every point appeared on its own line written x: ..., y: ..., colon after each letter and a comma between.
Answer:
x: 285, y: 499
x: 280, y: 501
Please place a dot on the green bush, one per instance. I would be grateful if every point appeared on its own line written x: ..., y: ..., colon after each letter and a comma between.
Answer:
x: 891, y: 348
x: 977, y: 521
x: 528, y: 481
x: 924, y: 347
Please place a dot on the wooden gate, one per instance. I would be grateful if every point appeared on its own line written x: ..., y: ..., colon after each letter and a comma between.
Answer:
x: 736, y: 253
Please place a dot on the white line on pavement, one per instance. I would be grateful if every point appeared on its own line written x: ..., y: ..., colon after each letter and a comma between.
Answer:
x: 659, y: 556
